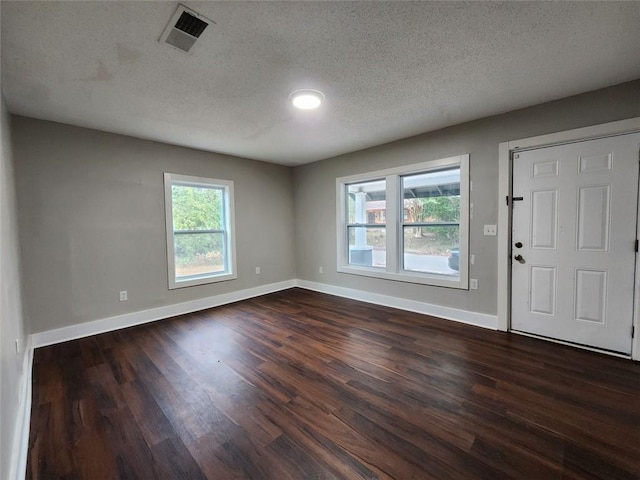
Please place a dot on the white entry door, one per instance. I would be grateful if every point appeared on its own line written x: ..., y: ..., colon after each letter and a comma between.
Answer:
x: 573, y: 241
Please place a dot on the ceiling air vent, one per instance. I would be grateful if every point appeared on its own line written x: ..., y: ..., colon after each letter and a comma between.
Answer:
x: 184, y: 29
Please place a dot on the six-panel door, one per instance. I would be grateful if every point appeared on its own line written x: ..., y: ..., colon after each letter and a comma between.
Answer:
x: 574, y: 277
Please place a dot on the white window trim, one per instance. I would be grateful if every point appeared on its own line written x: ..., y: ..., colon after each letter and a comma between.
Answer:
x: 231, y: 273
x: 393, y: 270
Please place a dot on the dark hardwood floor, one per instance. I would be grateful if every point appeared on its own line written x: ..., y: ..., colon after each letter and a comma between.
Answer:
x: 300, y: 385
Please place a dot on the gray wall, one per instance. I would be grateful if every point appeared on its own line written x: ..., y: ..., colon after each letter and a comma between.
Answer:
x: 92, y: 218
x: 314, y: 189
x: 92, y: 221
x: 12, y: 323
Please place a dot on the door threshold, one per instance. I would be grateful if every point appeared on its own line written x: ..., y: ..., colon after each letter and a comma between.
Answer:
x: 575, y: 345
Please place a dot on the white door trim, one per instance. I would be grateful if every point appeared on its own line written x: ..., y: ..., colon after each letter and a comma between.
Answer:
x: 504, y: 211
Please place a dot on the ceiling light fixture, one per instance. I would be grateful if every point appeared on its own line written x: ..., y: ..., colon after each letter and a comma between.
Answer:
x: 306, y: 99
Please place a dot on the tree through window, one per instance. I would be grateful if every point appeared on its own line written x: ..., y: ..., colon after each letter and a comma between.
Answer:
x: 200, y: 234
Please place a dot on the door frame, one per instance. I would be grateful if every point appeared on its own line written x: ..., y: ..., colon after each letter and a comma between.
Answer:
x: 505, y: 185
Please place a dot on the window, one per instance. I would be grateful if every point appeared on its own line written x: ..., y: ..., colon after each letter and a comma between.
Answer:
x: 363, y: 230
x: 200, y: 230
x: 431, y: 226
x: 407, y: 224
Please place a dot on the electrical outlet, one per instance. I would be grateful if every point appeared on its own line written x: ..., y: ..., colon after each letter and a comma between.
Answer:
x: 320, y: 270
x: 124, y: 296
x: 473, y: 259
x: 491, y: 230
x: 473, y: 283
x: 257, y: 270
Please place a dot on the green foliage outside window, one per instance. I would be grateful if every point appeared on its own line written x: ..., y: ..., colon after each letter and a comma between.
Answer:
x: 435, y: 209
x: 198, y: 208
x: 441, y: 209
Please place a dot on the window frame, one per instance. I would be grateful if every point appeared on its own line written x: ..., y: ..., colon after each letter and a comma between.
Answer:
x: 230, y: 271
x: 348, y: 225
x: 394, y: 224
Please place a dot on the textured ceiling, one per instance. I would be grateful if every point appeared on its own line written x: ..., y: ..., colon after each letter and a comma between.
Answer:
x: 389, y: 70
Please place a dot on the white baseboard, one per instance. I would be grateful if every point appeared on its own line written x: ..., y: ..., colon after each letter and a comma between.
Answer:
x: 462, y: 316
x: 18, y: 467
x: 95, y: 327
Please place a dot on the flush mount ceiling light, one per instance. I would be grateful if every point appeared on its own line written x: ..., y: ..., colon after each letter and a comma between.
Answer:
x: 306, y: 99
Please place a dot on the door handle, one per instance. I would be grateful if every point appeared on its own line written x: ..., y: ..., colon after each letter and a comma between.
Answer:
x: 519, y: 258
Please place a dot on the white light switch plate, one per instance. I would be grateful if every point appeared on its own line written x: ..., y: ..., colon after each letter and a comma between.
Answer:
x: 490, y: 230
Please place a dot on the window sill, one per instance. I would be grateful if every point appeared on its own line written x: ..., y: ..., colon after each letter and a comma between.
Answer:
x: 201, y: 280
x: 431, y: 279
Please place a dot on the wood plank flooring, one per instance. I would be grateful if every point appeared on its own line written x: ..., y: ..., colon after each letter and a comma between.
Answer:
x: 300, y: 385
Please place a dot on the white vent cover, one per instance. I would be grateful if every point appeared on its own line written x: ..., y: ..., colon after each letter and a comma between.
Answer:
x: 184, y: 29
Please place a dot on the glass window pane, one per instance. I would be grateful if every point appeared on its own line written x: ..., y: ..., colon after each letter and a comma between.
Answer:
x: 197, y: 208
x: 432, y: 197
x: 366, y: 202
x: 432, y: 249
x: 367, y: 246
x: 199, y: 254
